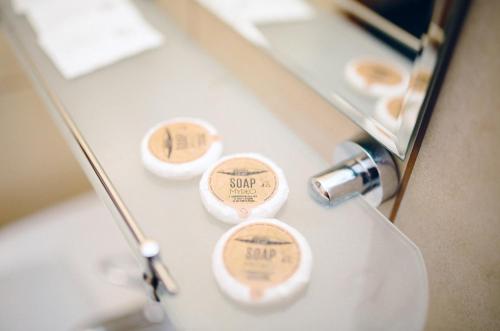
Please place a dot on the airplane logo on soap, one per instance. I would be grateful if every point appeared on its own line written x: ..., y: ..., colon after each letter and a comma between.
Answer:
x: 182, y: 142
x: 262, y: 240
x: 168, y: 142
x: 242, y: 172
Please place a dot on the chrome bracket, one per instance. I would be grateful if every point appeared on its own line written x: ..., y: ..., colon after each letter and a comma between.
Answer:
x: 361, y: 167
x: 155, y: 273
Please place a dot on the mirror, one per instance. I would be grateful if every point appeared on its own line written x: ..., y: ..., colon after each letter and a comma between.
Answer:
x: 373, y: 60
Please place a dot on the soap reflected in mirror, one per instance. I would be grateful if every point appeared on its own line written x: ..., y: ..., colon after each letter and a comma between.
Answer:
x: 372, y: 60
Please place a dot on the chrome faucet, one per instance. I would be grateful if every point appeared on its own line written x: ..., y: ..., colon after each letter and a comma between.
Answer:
x: 362, y: 167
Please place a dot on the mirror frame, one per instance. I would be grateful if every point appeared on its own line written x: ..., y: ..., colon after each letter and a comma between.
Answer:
x: 440, y: 40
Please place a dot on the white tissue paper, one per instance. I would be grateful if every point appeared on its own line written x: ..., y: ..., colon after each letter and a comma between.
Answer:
x: 243, y: 15
x: 82, y: 36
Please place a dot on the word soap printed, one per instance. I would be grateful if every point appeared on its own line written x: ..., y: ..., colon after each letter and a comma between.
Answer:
x: 242, y: 187
x: 262, y: 262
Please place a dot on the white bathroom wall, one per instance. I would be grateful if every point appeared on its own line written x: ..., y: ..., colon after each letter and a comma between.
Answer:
x: 451, y: 207
x: 37, y: 168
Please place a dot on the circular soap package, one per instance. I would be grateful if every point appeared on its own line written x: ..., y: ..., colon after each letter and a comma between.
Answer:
x: 388, y: 111
x: 396, y: 110
x: 242, y: 187
x: 180, y: 148
x: 262, y: 262
x: 419, y: 82
x: 375, y: 77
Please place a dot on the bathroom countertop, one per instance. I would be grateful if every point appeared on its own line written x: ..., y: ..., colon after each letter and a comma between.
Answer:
x: 359, y: 256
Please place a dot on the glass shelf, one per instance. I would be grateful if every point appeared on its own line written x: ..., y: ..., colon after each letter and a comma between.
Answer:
x: 365, y: 273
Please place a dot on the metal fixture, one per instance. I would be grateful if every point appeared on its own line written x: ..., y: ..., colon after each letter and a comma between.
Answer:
x: 156, y: 274
x: 362, y: 167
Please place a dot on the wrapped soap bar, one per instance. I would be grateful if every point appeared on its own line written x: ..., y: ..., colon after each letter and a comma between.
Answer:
x: 396, y: 110
x: 180, y: 148
x: 376, y: 77
x: 241, y: 187
x: 419, y: 83
x: 388, y: 111
x: 262, y: 262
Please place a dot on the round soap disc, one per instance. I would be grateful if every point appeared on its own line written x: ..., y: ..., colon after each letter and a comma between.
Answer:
x: 419, y: 82
x: 391, y: 111
x: 375, y: 77
x: 262, y: 262
x: 180, y: 148
x: 241, y: 187
x: 388, y: 111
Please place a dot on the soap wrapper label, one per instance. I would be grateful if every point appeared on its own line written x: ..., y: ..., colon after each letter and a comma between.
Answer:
x: 243, y: 183
x: 261, y: 256
x: 180, y: 142
x: 378, y: 73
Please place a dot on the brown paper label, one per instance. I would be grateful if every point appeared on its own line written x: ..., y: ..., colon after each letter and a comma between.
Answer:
x: 379, y: 73
x: 180, y: 142
x: 261, y: 256
x: 394, y: 106
x: 420, y: 81
x: 243, y: 183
